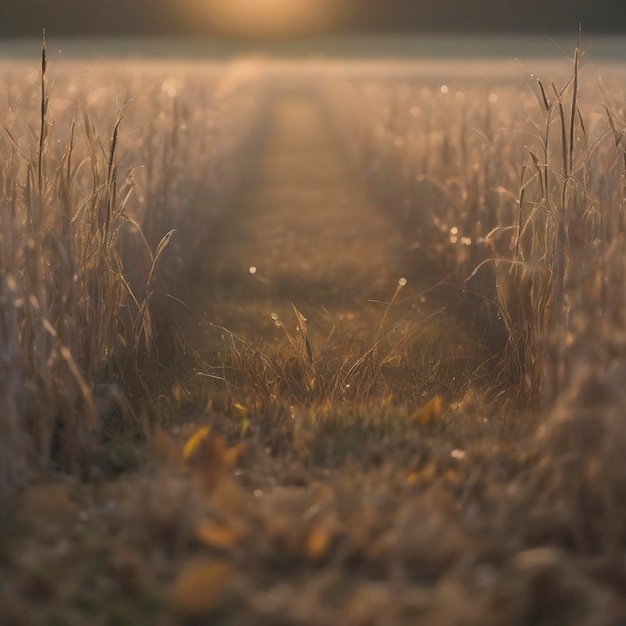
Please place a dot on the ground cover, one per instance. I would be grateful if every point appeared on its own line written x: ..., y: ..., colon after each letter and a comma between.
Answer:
x: 363, y: 382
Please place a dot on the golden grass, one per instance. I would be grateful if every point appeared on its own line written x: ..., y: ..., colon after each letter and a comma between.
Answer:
x: 514, y: 192
x: 526, y: 246
x: 93, y: 187
x: 435, y: 456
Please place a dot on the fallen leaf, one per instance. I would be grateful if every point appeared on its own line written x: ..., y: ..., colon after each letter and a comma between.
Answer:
x: 197, y: 589
x: 210, y: 462
x: 209, y: 459
x: 425, y: 474
x: 317, y: 543
x: 412, y: 478
x: 234, y: 454
x: 430, y: 412
x: 194, y: 441
x: 451, y: 476
x: 240, y: 410
x: 216, y: 535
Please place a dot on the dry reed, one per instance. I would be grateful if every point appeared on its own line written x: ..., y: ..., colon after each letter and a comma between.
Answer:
x: 87, y: 217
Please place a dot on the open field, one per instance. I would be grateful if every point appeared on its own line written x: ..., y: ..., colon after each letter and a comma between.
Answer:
x: 312, y: 342
x: 601, y: 48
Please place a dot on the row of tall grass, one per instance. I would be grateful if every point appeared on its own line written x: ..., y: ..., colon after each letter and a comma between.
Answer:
x: 513, y: 187
x: 98, y: 167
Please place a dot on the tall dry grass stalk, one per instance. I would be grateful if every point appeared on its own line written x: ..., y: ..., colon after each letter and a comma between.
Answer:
x: 514, y: 193
x: 516, y: 196
x: 84, y: 229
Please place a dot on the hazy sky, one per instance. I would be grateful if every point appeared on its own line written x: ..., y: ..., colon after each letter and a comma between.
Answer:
x: 293, y: 18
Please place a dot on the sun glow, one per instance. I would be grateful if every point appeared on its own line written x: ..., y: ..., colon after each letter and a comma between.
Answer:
x: 260, y: 18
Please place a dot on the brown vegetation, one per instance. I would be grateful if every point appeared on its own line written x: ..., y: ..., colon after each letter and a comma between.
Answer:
x: 445, y: 449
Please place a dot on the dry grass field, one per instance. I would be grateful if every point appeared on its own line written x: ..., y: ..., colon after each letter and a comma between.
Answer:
x: 315, y: 342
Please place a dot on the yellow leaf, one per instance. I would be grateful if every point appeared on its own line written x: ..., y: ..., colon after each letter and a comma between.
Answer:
x: 197, y: 589
x: 216, y: 535
x: 244, y: 425
x: 241, y: 413
x: 179, y: 392
x: 240, y: 410
x: 422, y: 475
x: 317, y: 543
x: 234, y: 454
x: 430, y: 412
x: 194, y: 441
x: 209, y: 459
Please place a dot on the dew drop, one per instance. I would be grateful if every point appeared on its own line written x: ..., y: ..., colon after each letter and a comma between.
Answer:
x: 402, y: 282
x: 252, y: 269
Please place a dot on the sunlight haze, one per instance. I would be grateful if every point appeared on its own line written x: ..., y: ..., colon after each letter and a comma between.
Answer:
x: 260, y: 18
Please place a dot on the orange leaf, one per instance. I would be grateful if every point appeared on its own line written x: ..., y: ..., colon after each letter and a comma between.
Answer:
x: 234, y: 454
x: 210, y: 462
x: 317, y: 543
x: 430, y: 412
x: 197, y: 589
x: 209, y: 459
x: 425, y: 474
x: 412, y: 478
x: 216, y: 535
x: 451, y: 476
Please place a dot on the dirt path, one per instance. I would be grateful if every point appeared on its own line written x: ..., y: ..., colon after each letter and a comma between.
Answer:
x: 304, y: 232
